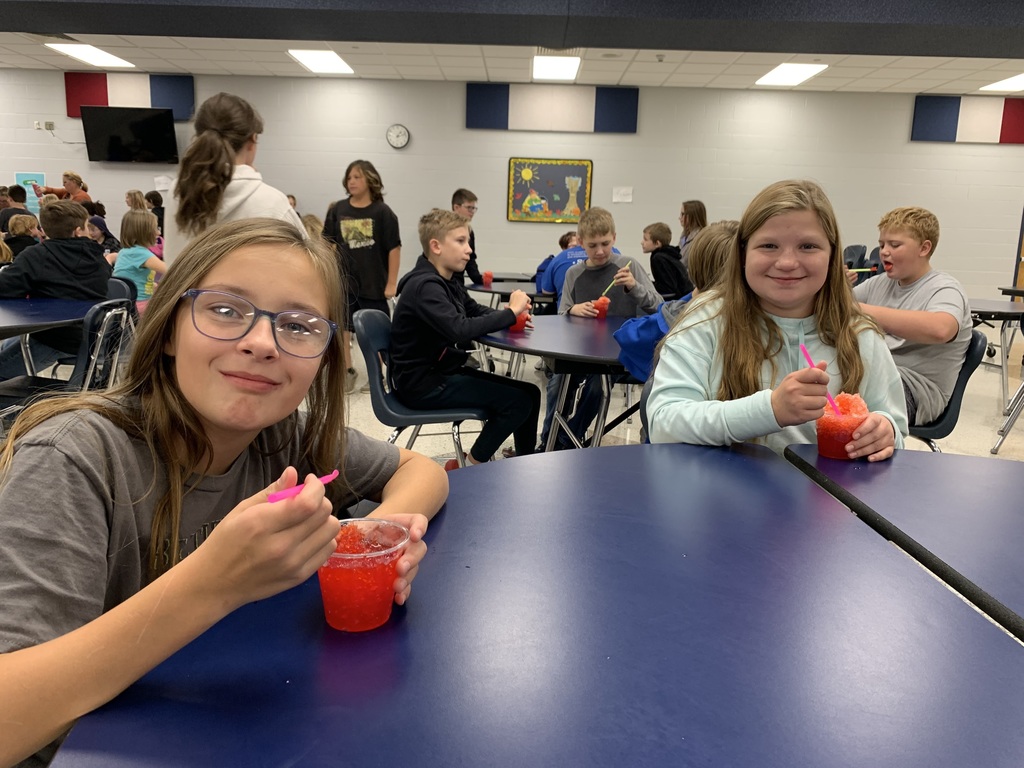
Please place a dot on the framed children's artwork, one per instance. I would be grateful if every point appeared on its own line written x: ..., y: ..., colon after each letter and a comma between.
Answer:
x: 551, y: 191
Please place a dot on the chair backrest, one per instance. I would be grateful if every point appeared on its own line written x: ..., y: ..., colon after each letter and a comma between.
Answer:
x: 119, y: 288
x: 102, y: 336
x: 645, y: 394
x: 943, y: 425
x: 854, y: 255
x: 373, y: 332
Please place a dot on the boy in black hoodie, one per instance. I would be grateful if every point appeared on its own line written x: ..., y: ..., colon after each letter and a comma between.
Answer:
x: 670, y: 277
x: 435, y: 314
x: 67, y: 266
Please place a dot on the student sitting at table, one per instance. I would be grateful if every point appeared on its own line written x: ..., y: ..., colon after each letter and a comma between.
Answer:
x: 639, y: 336
x: 133, y: 520
x: 464, y: 203
x: 67, y: 266
x: 434, y: 314
x: 24, y: 233
x: 925, y: 313
x: 732, y: 369
x: 135, y: 261
x: 671, y: 279
x: 602, y: 273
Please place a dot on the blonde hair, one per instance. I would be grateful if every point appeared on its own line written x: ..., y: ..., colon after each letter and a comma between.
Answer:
x: 659, y: 232
x: 595, y: 222
x: 920, y: 223
x: 72, y: 176
x: 149, y: 405
x: 48, y: 199
x: 709, y: 251
x: 6, y: 255
x: 138, y: 227
x: 22, y: 224
x: 313, y: 225
x: 436, y: 225
x: 136, y: 200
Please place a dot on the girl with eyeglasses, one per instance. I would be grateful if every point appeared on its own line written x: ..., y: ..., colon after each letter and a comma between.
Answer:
x: 134, y: 519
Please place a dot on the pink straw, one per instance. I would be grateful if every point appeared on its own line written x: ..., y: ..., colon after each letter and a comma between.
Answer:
x: 297, y: 489
x: 810, y: 362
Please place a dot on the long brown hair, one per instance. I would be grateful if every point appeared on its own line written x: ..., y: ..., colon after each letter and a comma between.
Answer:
x: 148, y: 404
x: 742, y: 349
x: 373, y: 183
x: 224, y: 124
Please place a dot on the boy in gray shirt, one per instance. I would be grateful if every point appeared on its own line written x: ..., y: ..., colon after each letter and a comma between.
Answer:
x: 924, y: 313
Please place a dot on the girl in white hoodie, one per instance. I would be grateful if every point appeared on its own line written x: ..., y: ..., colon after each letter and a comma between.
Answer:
x: 216, y: 181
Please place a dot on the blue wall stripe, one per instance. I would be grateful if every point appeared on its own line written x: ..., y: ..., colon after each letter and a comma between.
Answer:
x: 615, y: 110
x: 174, y: 92
x: 487, y: 105
x: 935, y: 118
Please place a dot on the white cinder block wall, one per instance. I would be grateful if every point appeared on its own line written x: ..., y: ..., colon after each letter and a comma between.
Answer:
x: 720, y: 146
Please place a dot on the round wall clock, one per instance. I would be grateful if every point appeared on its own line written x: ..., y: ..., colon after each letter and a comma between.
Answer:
x: 397, y: 136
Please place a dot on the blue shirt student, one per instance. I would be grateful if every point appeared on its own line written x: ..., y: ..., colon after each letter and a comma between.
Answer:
x: 130, y: 265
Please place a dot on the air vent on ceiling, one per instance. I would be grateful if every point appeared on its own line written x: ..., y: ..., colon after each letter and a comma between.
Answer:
x: 541, y: 51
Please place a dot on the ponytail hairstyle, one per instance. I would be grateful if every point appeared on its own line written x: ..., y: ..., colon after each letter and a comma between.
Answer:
x: 225, y: 123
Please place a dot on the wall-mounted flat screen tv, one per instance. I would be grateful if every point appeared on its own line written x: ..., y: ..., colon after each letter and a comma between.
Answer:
x: 130, y: 134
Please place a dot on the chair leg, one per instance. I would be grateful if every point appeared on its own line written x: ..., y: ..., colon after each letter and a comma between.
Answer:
x: 934, y: 446
x: 394, y: 434
x: 629, y: 401
x: 460, y: 455
x: 413, y: 436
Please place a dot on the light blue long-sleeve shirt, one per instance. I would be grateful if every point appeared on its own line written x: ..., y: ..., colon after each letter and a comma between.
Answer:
x: 683, y: 405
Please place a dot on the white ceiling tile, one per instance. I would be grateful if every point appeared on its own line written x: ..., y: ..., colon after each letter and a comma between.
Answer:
x: 603, y: 66
x: 422, y: 73
x: 508, y: 75
x: 271, y: 45
x: 618, y: 54
x: 753, y: 71
x: 712, y: 57
x: 697, y: 68
x: 506, y: 63
x: 952, y: 74
x: 456, y: 50
x: 854, y: 73
x: 971, y: 63
x: 373, y: 49
x: 669, y: 57
x: 152, y: 42
x: 367, y: 70
x: 901, y: 88
x: 399, y: 60
x: 204, y: 43
x: 270, y: 57
x: 406, y: 49
x: 821, y: 84
x: 643, y: 79
x: 869, y: 61
x: 731, y: 81
x: 100, y: 41
x: 818, y: 58
x: 226, y: 55
x: 460, y: 62
x: 651, y: 68
x: 598, y: 78
x: 284, y: 70
x: 771, y: 59
x: 371, y: 59
x: 921, y: 61
x: 689, y: 80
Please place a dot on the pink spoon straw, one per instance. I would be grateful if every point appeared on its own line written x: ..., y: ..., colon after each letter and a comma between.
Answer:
x: 287, y: 493
x: 810, y: 362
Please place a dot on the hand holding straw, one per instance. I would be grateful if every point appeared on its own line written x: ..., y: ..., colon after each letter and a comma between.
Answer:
x: 297, y: 489
x: 613, y: 279
x: 810, y: 362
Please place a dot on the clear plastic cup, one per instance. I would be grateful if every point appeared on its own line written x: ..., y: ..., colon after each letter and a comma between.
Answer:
x: 601, y: 305
x: 835, y: 431
x: 488, y: 278
x: 357, y: 582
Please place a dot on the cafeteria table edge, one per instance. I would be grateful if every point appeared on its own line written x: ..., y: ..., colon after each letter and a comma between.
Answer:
x: 995, y: 610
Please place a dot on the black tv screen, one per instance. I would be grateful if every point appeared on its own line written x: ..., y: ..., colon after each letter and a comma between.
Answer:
x: 130, y: 134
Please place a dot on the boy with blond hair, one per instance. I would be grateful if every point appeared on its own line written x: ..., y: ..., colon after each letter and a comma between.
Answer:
x: 924, y: 313
x: 632, y: 295
x: 433, y: 318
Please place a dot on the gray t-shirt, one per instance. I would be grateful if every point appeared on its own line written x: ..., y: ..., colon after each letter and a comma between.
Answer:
x: 77, y: 507
x: 929, y: 370
x: 586, y: 283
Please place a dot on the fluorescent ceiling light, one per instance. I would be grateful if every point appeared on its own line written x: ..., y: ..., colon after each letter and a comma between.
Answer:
x: 791, y: 74
x: 1015, y: 83
x: 555, y: 67
x: 322, y: 62
x: 90, y: 55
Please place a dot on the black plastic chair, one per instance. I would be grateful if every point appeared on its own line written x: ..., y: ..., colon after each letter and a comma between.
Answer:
x: 103, y: 332
x: 373, y: 331
x: 854, y: 255
x: 645, y: 395
x: 942, y: 426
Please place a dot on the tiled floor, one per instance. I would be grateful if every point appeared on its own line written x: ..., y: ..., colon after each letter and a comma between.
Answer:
x: 974, y: 435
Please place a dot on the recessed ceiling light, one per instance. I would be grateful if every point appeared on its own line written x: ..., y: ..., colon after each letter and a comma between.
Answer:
x: 555, y: 67
x: 321, y: 62
x: 1010, y: 84
x: 791, y: 74
x: 90, y: 55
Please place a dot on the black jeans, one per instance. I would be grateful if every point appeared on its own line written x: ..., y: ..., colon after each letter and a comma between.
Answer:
x: 512, y: 406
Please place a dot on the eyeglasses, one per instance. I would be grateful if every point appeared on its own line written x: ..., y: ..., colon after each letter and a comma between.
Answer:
x: 226, y: 317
